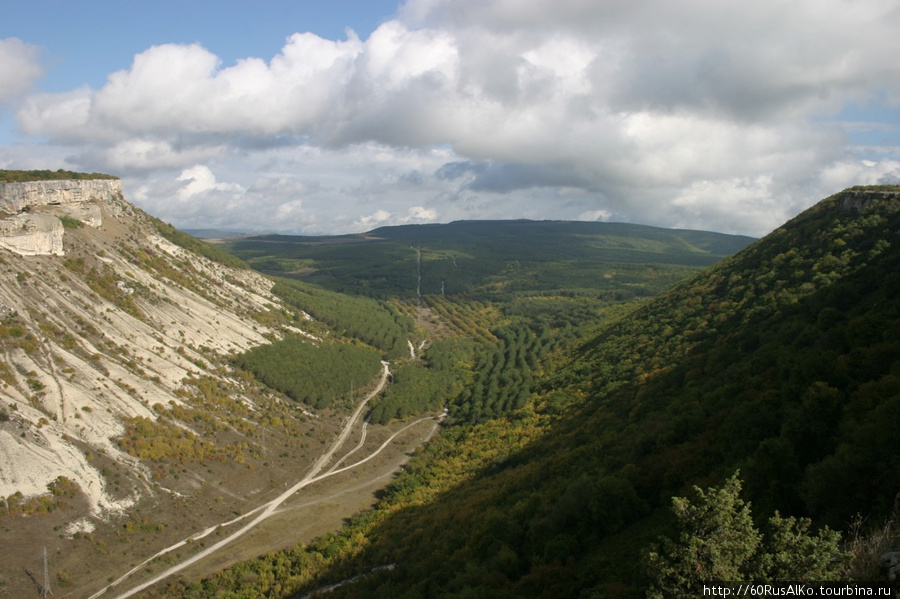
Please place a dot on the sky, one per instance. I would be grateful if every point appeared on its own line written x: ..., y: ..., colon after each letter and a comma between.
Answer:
x: 313, y: 117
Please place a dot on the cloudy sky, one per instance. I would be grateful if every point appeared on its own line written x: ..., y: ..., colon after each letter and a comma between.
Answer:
x: 341, y: 116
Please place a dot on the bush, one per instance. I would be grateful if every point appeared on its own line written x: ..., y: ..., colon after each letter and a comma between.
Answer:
x: 717, y: 542
x: 71, y: 223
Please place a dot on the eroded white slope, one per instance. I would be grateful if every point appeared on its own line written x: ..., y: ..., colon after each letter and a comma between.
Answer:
x: 101, y: 334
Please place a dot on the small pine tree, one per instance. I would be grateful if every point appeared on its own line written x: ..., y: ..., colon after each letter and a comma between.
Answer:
x: 717, y: 542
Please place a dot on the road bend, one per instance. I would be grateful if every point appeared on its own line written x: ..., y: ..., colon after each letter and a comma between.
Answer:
x: 268, y: 509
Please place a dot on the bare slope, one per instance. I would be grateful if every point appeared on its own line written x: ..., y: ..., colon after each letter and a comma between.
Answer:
x: 122, y: 424
x: 103, y: 333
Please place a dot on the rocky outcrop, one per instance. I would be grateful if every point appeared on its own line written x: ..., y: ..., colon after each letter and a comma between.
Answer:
x: 34, y: 227
x: 16, y: 197
x: 858, y: 199
x: 32, y: 234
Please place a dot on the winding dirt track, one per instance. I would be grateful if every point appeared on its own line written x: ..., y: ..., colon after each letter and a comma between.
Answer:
x: 266, y: 510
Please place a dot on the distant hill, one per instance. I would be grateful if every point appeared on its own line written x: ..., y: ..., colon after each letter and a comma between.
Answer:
x: 492, y: 256
x: 217, y: 233
x: 782, y: 361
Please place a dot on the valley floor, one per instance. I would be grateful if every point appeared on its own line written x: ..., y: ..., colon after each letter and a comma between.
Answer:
x: 355, y: 467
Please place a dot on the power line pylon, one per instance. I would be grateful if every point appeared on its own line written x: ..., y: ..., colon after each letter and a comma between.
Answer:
x: 45, y: 591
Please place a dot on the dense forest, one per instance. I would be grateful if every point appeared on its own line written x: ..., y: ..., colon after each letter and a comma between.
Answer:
x: 355, y: 333
x: 772, y: 379
x: 377, y: 324
x: 316, y: 374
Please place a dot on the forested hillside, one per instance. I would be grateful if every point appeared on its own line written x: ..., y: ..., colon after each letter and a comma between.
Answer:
x: 781, y: 363
x: 316, y: 374
x: 493, y: 258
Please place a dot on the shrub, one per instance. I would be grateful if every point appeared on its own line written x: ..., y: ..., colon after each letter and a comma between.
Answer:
x: 717, y: 541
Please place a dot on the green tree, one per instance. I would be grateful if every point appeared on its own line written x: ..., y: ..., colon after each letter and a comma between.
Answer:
x: 716, y: 539
x: 718, y: 542
x: 789, y: 552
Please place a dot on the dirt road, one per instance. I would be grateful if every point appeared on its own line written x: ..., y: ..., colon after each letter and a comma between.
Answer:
x: 266, y: 510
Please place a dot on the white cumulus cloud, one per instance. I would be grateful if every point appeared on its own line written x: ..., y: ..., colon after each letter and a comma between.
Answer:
x: 20, y: 67
x: 703, y: 114
x: 200, y: 180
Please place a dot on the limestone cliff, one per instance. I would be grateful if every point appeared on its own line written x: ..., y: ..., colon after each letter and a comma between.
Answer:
x: 16, y: 197
x: 33, y: 226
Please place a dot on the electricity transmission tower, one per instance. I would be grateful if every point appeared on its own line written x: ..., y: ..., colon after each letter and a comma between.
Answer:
x: 45, y: 590
x: 419, y: 275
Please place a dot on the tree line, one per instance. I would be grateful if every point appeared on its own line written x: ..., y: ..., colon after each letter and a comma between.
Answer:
x: 10, y: 176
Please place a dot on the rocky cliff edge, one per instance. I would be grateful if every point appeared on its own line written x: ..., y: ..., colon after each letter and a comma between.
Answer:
x: 32, y: 214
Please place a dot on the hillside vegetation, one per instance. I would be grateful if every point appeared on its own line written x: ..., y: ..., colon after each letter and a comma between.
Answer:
x: 377, y: 324
x: 7, y: 176
x: 781, y: 362
x: 493, y: 258
x: 192, y: 244
x: 315, y: 374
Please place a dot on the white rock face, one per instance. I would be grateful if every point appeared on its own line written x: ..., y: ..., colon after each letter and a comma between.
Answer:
x: 35, y: 229
x: 32, y: 235
x: 102, y: 337
x: 16, y: 197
